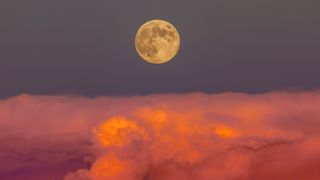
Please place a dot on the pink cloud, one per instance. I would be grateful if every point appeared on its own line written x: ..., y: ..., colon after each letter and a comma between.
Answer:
x: 170, y: 136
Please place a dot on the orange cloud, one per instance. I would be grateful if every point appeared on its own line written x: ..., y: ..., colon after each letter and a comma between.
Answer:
x: 190, y: 136
x: 119, y: 131
x: 225, y: 132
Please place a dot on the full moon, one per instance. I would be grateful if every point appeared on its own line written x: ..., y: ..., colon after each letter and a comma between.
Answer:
x: 157, y: 41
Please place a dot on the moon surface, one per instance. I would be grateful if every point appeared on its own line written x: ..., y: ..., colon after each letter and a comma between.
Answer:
x: 157, y: 41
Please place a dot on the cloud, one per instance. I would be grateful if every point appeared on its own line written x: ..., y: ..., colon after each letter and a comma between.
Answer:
x: 169, y: 136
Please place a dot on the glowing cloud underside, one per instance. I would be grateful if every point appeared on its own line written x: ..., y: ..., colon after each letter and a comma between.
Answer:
x: 192, y: 136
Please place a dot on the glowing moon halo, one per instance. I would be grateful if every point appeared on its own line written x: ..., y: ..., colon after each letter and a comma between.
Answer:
x: 157, y: 41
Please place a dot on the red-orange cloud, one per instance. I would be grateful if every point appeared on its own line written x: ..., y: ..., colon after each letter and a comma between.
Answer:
x: 190, y: 136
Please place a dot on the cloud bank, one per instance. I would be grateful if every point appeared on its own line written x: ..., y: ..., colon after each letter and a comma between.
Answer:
x: 169, y: 136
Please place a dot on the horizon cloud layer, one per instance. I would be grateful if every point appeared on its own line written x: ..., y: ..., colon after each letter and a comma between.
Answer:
x: 163, y: 136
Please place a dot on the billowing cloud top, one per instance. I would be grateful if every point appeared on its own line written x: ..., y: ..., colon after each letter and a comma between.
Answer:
x: 190, y: 136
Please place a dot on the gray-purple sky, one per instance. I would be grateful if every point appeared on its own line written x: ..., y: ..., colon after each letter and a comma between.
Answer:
x: 87, y: 47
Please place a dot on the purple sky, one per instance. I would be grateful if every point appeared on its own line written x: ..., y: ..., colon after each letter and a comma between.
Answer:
x: 87, y: 47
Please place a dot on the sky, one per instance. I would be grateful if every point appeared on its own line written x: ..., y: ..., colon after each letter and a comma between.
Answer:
x: 241, y: 99
x: 87, y: 47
